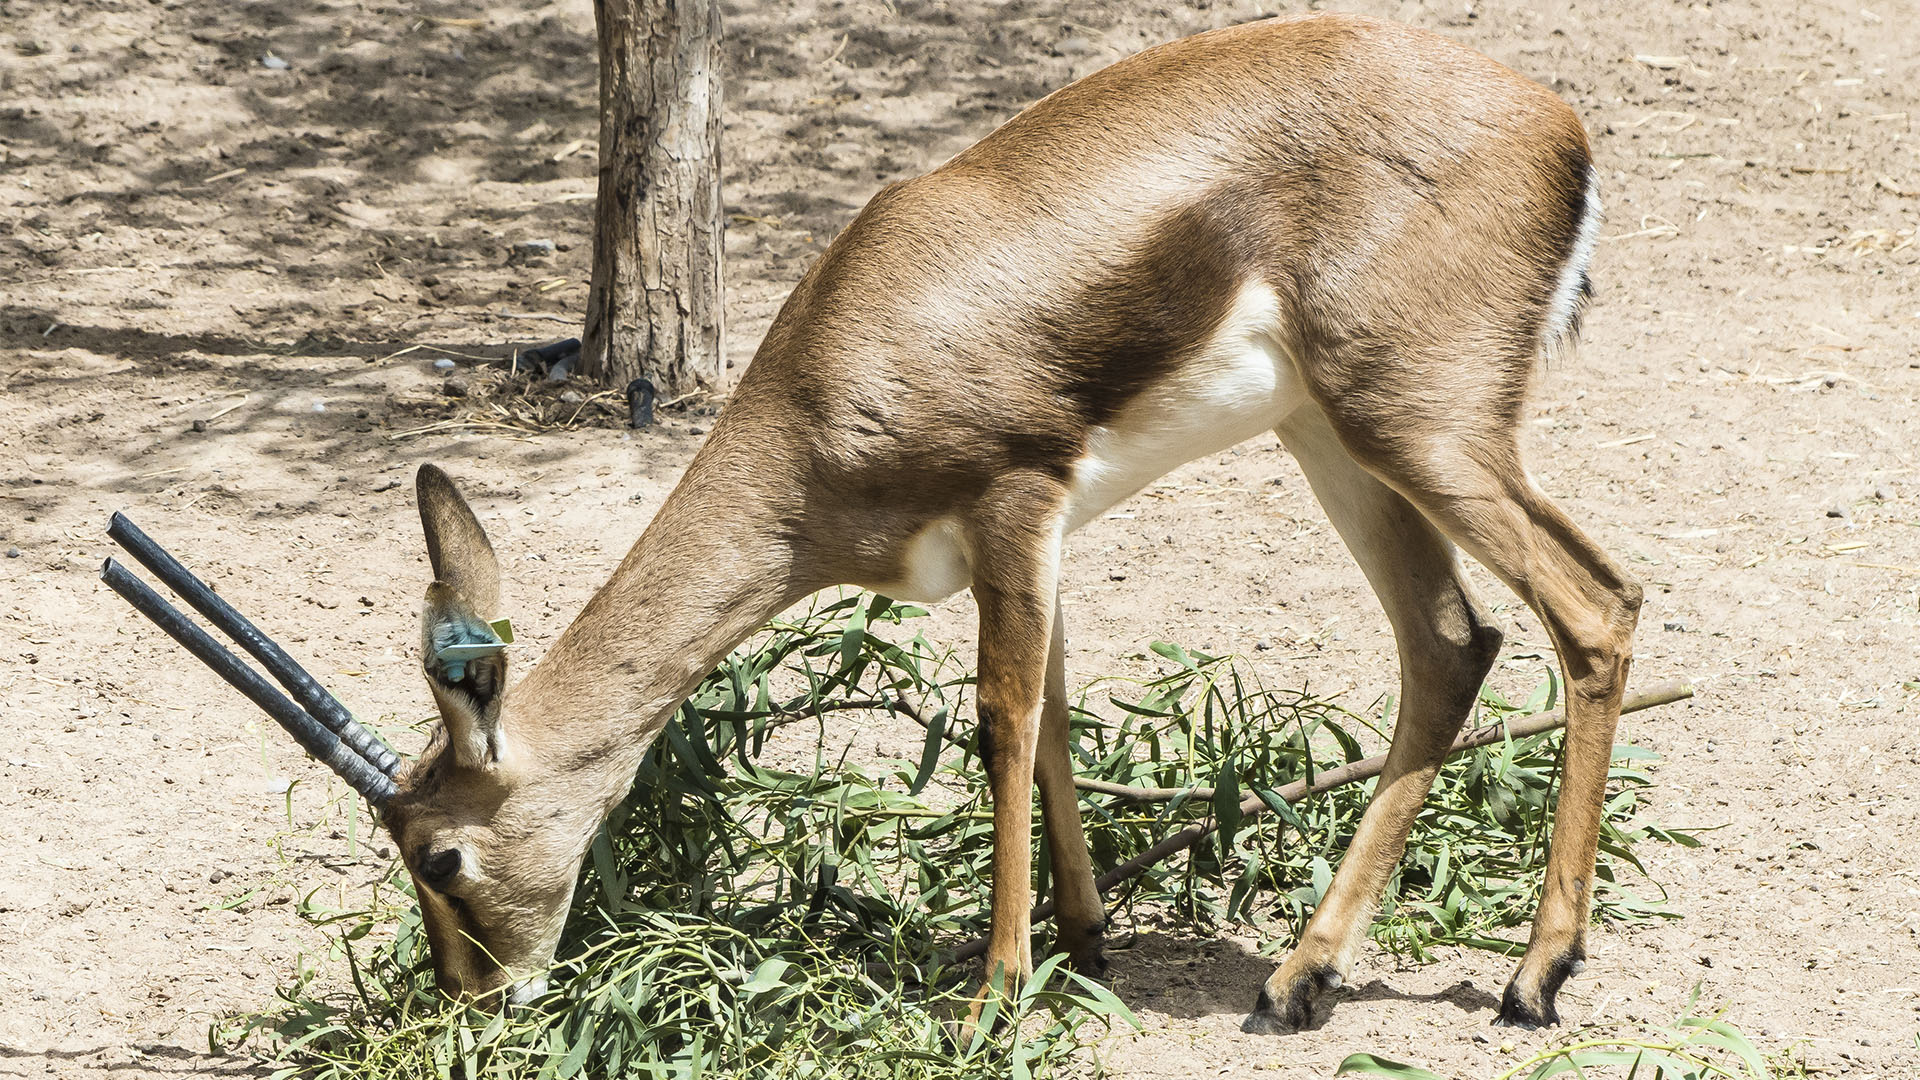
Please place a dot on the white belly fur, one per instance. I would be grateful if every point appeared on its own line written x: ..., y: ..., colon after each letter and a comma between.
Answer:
x: 935, y: 565
x: 1238, y: 385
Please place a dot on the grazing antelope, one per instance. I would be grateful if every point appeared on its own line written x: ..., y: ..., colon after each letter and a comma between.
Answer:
x: 1353, y: 233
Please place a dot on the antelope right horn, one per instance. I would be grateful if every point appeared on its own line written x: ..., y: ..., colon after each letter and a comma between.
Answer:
x: 373, y: 783
x: 313, y: 697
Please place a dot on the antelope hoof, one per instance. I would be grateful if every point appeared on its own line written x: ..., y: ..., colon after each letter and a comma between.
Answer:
x: 1522, y: 1007
x: 1293, y: 1009
x: 998, y: 984
x: 1086, y: 950
x: 962, y: 1029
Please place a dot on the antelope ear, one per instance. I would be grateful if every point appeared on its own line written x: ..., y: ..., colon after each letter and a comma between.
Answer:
x: 466, y: 663
x: 456, y: 544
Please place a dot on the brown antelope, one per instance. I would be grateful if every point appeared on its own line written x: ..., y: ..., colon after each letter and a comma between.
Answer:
x: 1355, y: 234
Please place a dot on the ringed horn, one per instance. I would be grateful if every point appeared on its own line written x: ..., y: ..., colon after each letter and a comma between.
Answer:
x: 317, y: 721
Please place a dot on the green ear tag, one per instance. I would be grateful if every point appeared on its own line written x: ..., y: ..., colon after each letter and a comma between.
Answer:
x: 503, y: 629
x: 460, y: 654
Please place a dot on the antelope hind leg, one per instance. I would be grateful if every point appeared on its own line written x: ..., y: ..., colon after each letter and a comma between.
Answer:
x: 1446, y: 646
x: 1080, y: 916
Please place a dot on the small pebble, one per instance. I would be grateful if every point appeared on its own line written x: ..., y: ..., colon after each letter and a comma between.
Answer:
x: 454, y: 388
x: 572, y: 397
x: 388, y: 484
x: 319, y: 406
x: 274, y: 63
x: 1884, y: 493
x: 443, y: 364
x: 279, y: 785
x: 1839, y: 510
x: 1675, y: 627
x: 536, y: 247
x: 217, y: 877
x: 199, y: 426
x: 13, y: 553
x: 696, y: 431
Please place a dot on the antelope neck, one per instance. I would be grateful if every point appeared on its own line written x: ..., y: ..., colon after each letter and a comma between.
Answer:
x: 709, y: 570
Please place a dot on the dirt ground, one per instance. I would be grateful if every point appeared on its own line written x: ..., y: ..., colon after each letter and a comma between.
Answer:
x: 223, y: 284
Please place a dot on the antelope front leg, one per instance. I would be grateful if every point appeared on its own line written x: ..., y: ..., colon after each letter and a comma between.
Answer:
x: 1015, y: 569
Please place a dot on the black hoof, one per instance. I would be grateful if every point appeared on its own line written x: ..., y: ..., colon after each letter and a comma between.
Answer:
x: 1296, y: 1012
x: 960, y: 1033
x: 1517, y: 1012
x: 1260, y: 1022
x: 1523, y: 1010
x: 1092, y: 963
x: 1086, y: 951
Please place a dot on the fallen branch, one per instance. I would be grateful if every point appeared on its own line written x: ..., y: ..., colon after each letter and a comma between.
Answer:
x: 1326, y: 780
x: 1141, y: 794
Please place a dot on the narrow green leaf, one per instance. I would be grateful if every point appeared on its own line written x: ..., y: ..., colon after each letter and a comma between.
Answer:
x: 1374, y: 1065
x: 930, y: 751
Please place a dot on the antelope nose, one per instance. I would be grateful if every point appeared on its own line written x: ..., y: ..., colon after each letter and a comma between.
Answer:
x: 527, y: 989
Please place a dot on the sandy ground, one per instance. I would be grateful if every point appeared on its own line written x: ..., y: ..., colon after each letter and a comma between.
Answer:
x: 190, y: 235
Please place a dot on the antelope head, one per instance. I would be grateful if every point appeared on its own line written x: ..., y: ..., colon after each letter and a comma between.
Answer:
x: 495, y: 816
x: 490, y: 827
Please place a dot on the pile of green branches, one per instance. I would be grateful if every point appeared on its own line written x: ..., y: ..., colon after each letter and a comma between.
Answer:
x: 738, y: 919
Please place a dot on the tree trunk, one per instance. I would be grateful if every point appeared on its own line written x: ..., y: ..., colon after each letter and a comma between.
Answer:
x: 654, y: 309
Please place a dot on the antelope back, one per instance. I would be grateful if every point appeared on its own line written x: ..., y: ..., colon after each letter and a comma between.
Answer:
x: 1161, y: 260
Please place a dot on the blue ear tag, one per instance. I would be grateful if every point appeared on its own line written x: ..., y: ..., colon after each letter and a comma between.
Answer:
x: 475, y: 640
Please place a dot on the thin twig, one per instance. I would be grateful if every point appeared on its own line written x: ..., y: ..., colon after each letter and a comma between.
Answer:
x: 1141, y: 794
x: 230, y: 407
x: 1328, y: 779
x: 460, y: 425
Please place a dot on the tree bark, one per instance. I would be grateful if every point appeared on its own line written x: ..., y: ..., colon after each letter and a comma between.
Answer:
x: 654, y: 309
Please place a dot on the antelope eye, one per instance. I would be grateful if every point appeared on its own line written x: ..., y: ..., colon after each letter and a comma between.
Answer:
x: 438, y: 869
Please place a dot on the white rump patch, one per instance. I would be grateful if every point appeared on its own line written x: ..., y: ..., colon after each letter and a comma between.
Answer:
x: 1568, y: 294
x: 1234, y: 387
